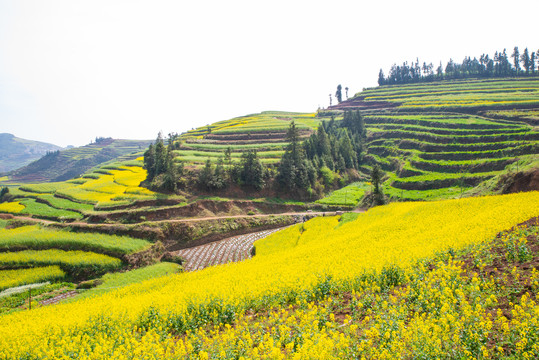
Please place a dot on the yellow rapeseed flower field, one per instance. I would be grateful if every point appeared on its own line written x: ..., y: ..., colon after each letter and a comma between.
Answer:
x: 11, y: 207
x: 146, y: 320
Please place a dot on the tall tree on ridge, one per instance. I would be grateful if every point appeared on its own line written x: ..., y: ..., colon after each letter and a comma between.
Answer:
x: 338, y: 93
x: 525, y: 58
x: 516, y: 59
x: 532, y: 63
x: 381, y: 78
x: 149, y: 162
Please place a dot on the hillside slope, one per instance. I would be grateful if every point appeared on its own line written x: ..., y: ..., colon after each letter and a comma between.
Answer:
x: 16, y: 152
x: 172, y: 316
x: 440, y: 139
x: 264, y: 132
x: 67, y: 164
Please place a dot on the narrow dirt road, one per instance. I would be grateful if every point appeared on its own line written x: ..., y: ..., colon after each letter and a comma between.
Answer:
x: 232, y: 249
x: 194, y: 219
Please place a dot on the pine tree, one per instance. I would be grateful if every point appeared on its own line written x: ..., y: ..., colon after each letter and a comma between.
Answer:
x: 381, y: 78
x: 149, y: 162
x: 4, y: 192
x: 228, y: 156
x: 171, y: 173
x: 525, y: 58
x: 323, y: 146
x: 516, y: 59
x: 338, y: 93
x: 205, y: 175
x: 252, y: 170
x: 293, y: 139
x: 160, y: 155
x: 293, y: 172
x: 376, y: 177
x: 218, y: 179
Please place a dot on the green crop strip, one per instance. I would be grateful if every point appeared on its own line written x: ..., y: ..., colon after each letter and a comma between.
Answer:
x: 36, y: 238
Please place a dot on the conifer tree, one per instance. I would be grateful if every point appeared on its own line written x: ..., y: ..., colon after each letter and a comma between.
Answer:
x: 149, y: 162
x: 338, y: 93
x: 525, y: 58
x: 376, y: 178
x: 160, y: 155
x: 205, y: 175
x: 252, y: 170
x: 516, y: 59
x: 381, y: 78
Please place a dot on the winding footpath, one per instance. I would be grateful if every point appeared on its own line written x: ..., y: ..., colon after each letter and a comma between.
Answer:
x: 232, y: 249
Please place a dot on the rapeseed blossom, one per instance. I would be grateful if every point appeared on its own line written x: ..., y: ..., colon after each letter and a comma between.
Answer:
x: 397, y: 307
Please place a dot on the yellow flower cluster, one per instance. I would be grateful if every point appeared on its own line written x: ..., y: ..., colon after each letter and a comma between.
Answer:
x: 11, y: 207
x: 54, y: 256
x: 122, y: 184
x: 174, y: 316
x: 16, y: 277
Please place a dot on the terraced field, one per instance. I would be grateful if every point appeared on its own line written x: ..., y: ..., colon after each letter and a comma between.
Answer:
x: 264, y: 132
x: 439, y: 140
x: 111, y: 185
x: 67, y: 164
x: 454, y: 95
x: 32, y: 254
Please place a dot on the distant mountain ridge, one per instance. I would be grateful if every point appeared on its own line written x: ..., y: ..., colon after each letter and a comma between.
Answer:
x: 16, y: 152
x: 69, y: 163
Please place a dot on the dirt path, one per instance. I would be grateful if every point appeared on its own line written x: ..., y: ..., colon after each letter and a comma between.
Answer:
x: 301, y: 216
x: 232, y: 249
x: 31, y: 219
x: 58, y: 298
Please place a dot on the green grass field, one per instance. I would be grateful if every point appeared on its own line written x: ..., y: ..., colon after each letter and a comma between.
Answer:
x: 349, y: 195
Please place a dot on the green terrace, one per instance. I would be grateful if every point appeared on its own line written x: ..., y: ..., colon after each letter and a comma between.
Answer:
x: 207, y: 146
x: 457, y: 95
x: 447, y: 139
x: 266, y: 121
x: 110, y: 185
x: 34, y: 254
x: 445, y: 120
x: 200, y: 157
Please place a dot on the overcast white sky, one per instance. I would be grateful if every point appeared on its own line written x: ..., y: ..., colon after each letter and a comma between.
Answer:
x: 72, y: 70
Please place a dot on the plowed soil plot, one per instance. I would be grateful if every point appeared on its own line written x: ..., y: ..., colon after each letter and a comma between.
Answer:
x: 236, y: 248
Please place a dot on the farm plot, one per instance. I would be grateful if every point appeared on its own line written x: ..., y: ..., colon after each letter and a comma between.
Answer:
x: 111, y: 184
x: 438, y: 155
x: 233, y: 249
x: 264, y: 121
x: 457, y: 95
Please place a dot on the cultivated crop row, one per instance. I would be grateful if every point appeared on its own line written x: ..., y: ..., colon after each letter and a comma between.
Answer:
x: 224, y: 251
